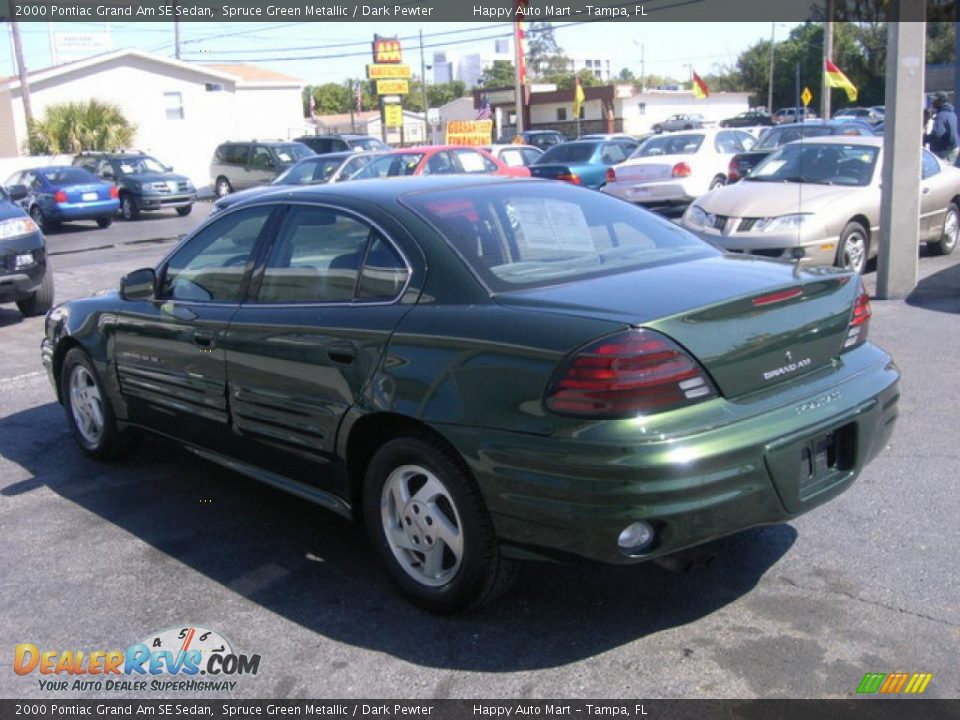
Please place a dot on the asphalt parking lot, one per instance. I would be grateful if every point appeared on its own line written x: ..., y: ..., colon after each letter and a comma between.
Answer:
x: 98, y: 557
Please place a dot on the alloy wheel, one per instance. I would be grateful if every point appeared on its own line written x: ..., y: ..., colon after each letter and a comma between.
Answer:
x: 422, y: 525
x: 855, y: 251
x: 87, y: 405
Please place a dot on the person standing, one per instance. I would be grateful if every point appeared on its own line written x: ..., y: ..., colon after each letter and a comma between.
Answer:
x: 943, y: 135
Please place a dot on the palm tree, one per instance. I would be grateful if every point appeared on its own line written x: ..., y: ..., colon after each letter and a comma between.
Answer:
x: 74, y: 126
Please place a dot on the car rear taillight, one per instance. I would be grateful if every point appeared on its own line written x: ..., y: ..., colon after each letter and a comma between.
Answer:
x: 733, y: 171
x: 635, y: 372
x: 611, y: 175
x: 114, y: 192
x: 859, y: 321
x: 569, y: 177
x: 60, y: 197
x: 681, y: 169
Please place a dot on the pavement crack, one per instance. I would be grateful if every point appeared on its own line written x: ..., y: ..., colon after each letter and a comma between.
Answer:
x: 865, y: 601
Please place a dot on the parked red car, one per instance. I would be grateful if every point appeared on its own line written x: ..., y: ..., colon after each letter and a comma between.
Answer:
x: 438, y: 160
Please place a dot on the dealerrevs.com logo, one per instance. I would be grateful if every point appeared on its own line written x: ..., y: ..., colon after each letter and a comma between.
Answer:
x: 179, y: 659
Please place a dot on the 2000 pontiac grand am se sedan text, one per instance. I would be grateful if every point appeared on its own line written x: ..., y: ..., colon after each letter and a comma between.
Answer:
x: 486, y: 370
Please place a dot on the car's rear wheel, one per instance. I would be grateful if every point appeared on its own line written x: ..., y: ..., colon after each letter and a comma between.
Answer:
x: 947, y: 242
x: 40, y: 301
x: 129, y: 208
x: 184, y: 211
x: 222, y: 187
x: 104, y: 222
x: 427, y: 520
x: 854, y: 247
x: 89, y: 414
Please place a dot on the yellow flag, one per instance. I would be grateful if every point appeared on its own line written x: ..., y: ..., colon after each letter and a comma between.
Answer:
x: 578, y: 98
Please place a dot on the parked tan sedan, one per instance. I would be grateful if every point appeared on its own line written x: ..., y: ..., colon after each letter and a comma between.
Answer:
x: 822, y: 196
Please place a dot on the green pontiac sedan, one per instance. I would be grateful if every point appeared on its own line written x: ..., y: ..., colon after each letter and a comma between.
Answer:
x: 484, y: 370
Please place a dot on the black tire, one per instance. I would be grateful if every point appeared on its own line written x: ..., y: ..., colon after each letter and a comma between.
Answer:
x: 222, y: 187
x: 38, y: 216
x: 40, y: 301
x: 480, y: 574
x: 718, y: 181
x: 111, y: 442
x: 105, y: 222
x: 688, y: 127
x: 947, y: 242
x: 854, y: 248
x: 657, y: 129
x: 128, y: 207
x: 184, y: 211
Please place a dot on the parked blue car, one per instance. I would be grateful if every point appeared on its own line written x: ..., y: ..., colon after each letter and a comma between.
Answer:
x: 582, y: 162
x: 61, y: 193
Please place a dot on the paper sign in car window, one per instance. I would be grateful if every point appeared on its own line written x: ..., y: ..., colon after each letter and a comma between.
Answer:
x: 552, y: 225
x: 472, y: 162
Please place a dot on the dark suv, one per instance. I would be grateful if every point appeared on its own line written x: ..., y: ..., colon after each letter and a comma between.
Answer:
x: 323, y: 144
x: 24, y: 276
x: 143, y: 181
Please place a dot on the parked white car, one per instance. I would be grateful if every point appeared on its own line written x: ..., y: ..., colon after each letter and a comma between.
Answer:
x: 678, y: 167
x: 515, y: 155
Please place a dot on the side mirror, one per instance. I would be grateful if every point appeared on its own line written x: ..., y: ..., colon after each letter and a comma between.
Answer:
x: 17, y: 192
x: 139, y: 284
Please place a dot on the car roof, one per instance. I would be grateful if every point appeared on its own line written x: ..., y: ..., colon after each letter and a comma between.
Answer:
x: 503, y: 146
x: 381, y: 190
x: 871, y: 140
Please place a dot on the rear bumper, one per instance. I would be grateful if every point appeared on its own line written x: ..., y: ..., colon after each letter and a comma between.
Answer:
x: 653, y: 193
x: 562, y: 496
x: 85, y: 211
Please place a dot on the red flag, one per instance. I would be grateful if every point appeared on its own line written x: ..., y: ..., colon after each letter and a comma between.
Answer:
x: 700, y: 89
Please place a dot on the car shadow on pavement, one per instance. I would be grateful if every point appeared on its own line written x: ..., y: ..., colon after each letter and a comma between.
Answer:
x: 10, y: 316
x: 940, y: 291
x: 315, y: 569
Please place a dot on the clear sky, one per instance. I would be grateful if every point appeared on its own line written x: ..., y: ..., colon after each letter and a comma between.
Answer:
x: 320, y: 52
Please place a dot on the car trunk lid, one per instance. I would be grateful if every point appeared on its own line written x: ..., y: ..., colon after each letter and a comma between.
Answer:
x: 752, y: 323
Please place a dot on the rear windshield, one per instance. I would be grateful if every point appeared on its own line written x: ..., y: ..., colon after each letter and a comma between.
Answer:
x: 520, y: 236
x: 568, y: 153
x: 670, y: 145
x: 366, y: 143
x: 772, y: 139
x: 64, y: 176
x: 392, y: 165
x: 293, y: 152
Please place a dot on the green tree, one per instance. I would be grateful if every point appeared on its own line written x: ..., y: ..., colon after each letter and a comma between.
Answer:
x: 565, y: 81
x: 442, y: 93
x: 74, y: 126
x: 626, y: 75
x: 501, y: 74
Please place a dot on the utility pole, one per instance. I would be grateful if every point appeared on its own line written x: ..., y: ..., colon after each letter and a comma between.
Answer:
x: 827, y: 55
x: 22, y: 71
x: 773, y: 30
x: 423, y: 86
x: 643, y: 71
x: 176, y: 30
x: 798, y: 116
x: 900, y: 192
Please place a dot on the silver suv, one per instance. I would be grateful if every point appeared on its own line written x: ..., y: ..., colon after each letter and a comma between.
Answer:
x: 240, y: 165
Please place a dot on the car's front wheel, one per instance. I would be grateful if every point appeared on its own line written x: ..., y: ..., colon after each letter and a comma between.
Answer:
x: 184, y: 211
x: 42, y: 300
x: 427, y: 520
x: 89, y: 414
x: 854, y: 246
x: 947, y: 242
x: 105, y: 222
x: 129, y: 208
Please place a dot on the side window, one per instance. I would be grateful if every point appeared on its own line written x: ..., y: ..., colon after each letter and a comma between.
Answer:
x: 261, y: 157
x: 210, y: 267
x: 32, y: 181
x: 473, y: 162
x: 316, y: 258
x: 105, y: 170
x: 530, y: 156
x: 930, y: 165
x: 383, y: 274
x: 439, y: 164
x: 611, y: 154
x: 726, y: 143
x: 351, y: 166
x: 511, y: 157
x: 236, y: 154
x: 746, y: 140
x: 338, y: 145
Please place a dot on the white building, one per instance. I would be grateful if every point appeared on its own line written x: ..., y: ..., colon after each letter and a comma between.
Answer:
x: 598, y: 67
x: 181, y: 110
x: 448, y: 65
